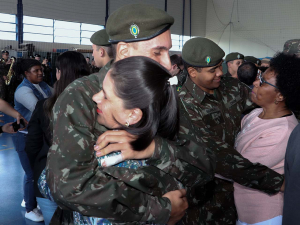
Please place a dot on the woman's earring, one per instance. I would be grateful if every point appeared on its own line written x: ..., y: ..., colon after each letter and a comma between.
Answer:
x: 276, y: 102
x: 127, y: 123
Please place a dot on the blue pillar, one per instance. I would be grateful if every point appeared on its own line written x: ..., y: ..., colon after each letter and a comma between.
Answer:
x: 20, y: 22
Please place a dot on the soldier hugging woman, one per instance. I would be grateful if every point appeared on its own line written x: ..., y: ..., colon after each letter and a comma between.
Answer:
x: 137, y: 97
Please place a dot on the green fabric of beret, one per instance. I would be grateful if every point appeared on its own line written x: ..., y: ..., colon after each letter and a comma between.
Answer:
x: 252, y: 59
x: 137, y: 22
x: 202, y: 52
x: 100, y: 38
x: 233, y: 56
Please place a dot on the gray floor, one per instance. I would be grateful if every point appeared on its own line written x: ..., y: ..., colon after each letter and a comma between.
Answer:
x: 11, y: 184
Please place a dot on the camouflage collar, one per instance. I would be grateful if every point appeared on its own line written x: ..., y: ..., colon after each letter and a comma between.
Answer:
x: 194, y: 90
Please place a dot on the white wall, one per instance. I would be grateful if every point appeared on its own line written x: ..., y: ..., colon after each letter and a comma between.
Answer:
x: 259, y: 28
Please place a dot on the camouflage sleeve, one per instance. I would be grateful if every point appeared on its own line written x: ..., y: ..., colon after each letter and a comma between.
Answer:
x: 75, y: 180
x: 189, y: 159
x: 232, y: 165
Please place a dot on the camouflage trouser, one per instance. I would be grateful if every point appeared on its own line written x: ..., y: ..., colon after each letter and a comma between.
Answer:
x: 219, y: 209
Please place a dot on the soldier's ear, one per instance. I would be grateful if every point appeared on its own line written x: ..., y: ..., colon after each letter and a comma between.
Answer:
x: 122, y: 51
x: 192, y: 72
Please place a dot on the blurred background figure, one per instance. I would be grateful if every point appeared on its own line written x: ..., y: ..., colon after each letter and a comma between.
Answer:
x: 233, y: 61
x: 47, y: 72
x: 247, y: 73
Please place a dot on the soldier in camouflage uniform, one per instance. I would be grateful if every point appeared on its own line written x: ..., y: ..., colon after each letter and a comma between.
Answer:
x: 122, y: 194
x: 215, y: 104
x: 233, y: 61
x: 102, y: 50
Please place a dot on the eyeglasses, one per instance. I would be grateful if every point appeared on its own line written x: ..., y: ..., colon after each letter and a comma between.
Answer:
x: 261, y: 81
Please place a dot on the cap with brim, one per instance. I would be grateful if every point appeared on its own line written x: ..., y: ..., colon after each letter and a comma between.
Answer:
x: 100, y: 38
x: 202, y: 52
x: 137, y: 22
x: 37, y: 55
x: 252, y: 59
x: 4, y: 51
x: 233, y: 56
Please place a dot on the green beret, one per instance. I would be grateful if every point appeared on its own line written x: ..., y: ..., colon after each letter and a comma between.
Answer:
x: 202, y: 52
x: 100, y: 38
x: 252, y: 59
x: 137, y: 22
x: 233, y: 56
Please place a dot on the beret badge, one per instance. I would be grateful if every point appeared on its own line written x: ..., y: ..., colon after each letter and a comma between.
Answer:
x: 207, y: 59
x: 238, y: 56
x: 134, y: 30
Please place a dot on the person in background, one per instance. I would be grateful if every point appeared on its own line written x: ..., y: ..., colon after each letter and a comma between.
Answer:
x: 70, y: 66
x: 4, y: 68
x: 253, y: 59
x: 247, y: 73
x: 177, y: 69
x: 265, y: 62
x: 102, y: 50
x: 27, y: 95
x: 233, y: 61
x: 47, y: 72
x: 264, y: 136
x: 94, y: 68
x: 37, y: 57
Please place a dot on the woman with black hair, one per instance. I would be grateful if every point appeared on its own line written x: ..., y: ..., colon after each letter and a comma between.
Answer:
x: 138, y: 97
x: 26, y: 96
x: 69, y: 66
x: 264, y: 136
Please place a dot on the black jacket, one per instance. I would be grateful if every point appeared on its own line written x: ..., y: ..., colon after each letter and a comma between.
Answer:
x: 38, y: 142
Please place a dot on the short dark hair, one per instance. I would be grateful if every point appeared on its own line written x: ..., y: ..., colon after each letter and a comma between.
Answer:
x: 176, y: 59
x: 143, y: 83
x: 247, y: 73
x: 72, y: 66
x: 23, y: 65
x: 287, y: 69
x: 87, y: 57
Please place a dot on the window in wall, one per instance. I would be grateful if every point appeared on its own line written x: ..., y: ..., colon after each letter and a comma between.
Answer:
x: 178, y: 41
x: 66, y: 32
x: 87, y: 30
x: 37, y: 29
x: 7, y: 26
x: 175, y: 42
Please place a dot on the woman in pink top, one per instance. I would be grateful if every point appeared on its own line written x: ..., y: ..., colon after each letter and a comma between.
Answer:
x: 264, y: 136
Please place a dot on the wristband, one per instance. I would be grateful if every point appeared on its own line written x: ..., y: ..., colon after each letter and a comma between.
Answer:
x: 1, y: 131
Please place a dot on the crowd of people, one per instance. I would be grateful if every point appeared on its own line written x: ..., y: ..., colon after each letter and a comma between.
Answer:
x: 158, y: 139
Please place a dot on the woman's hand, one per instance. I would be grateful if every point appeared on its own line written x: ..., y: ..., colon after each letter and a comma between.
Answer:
x: 119, y: 140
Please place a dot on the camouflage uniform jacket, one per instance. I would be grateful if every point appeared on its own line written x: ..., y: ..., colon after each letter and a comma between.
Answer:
x: 77, y: 183
x: 217, y: 117
x: 227, y: 74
